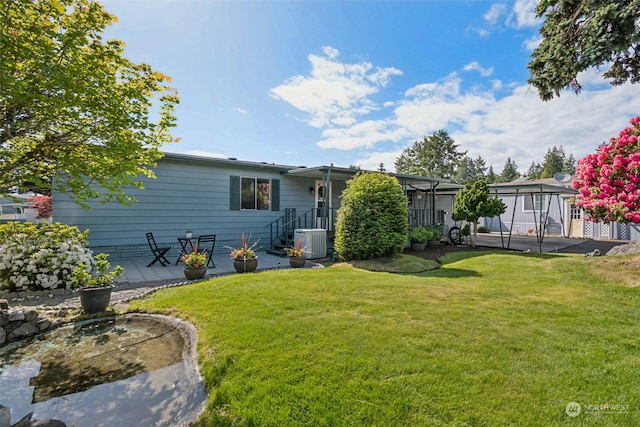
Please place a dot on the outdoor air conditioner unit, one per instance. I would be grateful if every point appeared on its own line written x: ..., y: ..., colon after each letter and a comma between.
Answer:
x: 315, y: 241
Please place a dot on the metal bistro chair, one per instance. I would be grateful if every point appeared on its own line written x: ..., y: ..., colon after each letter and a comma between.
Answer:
x: 206, y: 243
x: 158, y: 253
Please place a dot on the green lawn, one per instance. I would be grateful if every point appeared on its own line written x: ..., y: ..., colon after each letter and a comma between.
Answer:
x: 490, y: 339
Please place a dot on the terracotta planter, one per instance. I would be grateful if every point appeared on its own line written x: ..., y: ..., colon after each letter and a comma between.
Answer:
x: 194, y: 273
x: 245, y: 265
x: 297, y: 262
x: 95, y: 300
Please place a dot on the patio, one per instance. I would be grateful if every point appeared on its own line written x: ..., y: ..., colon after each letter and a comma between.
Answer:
x: 136, y: 270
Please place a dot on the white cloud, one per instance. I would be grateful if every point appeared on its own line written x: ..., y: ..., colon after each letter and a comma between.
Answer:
x: 240, y: 110
x: 482, y: 120
x: 364, y: 134
x: 372, y: 160
x: 523, y: 14
x: 475, y: 66
x: 531, y: 43
x: 495, y: 12
x: 335, y: 94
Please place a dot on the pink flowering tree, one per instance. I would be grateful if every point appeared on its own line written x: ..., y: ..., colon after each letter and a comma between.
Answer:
x: 609, y: 180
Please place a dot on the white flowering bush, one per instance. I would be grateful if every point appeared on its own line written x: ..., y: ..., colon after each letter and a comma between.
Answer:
x: 41, y: 256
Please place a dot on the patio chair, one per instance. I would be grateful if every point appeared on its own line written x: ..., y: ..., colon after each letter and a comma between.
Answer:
x: 206, y: 243
x: 158, y: 253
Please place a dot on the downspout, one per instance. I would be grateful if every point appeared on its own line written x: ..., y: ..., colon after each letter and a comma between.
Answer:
x: 327, y: 202
x: 433, y: 203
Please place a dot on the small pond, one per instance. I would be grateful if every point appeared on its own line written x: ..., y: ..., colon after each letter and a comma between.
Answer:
x: 124, y: 371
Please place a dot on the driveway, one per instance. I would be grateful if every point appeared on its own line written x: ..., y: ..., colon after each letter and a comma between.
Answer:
x: 549, y: 244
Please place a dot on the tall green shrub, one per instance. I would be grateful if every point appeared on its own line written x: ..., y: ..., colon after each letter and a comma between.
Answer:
x: 41, y: 256
x: 372, y: 219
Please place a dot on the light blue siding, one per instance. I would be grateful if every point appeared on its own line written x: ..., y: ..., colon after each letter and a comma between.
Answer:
x: 189, y: 194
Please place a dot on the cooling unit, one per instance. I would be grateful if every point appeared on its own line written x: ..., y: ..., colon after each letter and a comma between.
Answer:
x: 315, y: 240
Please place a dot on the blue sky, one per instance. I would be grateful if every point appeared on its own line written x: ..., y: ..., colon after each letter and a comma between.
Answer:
x: 355, y: 82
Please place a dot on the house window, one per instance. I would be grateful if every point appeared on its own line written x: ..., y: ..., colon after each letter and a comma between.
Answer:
x: 576, y: 212
x: 255, y: 194
x: 539, y: 200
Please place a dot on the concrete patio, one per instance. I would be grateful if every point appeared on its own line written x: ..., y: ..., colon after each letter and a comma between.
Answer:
x: 136, y: 270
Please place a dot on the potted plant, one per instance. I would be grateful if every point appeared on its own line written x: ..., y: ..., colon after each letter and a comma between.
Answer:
x: 195, y: 264
x: 95, y: 283
x: 296, y: 255
x: 418, y: 238
x: 188, y: 234
x: 245, y: 259
x: 435, y: 234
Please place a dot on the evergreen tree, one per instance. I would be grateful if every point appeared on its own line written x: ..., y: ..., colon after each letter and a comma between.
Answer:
x: 534, y: 171
x: 554, y: 162
x: 491, y: 177
x: 510, y: 171
x: 436, y: 156
x: 570, y: 165
x: 581, y: 34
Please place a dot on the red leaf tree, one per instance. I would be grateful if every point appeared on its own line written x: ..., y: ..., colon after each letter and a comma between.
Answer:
x: 43, y: 204
x: 609, y: 180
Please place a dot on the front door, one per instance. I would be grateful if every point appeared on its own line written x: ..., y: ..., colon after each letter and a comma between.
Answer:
x: 323, y: 205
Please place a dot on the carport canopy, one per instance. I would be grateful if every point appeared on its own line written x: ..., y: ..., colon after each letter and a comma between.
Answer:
x: 542, y: 187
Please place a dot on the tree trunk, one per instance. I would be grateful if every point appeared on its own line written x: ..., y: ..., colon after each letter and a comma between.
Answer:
x: 474, y: 234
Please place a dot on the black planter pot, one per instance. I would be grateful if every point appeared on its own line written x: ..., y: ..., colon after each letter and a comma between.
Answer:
x: 418, y: 247
x: 296, y: 262
x: 194, y: 273
x: 245, y: 265
x: 95, y: 300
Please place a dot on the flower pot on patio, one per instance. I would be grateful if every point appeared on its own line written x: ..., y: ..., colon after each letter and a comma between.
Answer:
x: 245, y: 265
x: 95, y: 300
x: 194, y: 273
x: 297, y: 262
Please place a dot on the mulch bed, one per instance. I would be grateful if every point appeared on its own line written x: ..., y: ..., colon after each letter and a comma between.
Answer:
x: 436, y: 252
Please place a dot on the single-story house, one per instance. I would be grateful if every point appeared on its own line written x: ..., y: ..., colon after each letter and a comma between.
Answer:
x: 546, y: 207
x: 228, y: 197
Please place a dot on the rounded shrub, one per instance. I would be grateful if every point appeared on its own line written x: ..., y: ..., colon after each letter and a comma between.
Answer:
x: 41, y: 256
x: 372, y: 219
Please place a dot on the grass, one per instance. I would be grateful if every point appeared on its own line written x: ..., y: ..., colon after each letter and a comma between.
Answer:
x: 490, y: 339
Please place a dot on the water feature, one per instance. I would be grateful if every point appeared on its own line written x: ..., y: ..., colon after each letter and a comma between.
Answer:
x: 127, y: 371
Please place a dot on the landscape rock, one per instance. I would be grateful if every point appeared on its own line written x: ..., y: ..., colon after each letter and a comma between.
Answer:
x: 26, y: 330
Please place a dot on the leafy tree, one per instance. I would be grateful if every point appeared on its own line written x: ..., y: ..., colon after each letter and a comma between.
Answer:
x: 436, y: 155
x: 509, y: 171
x: 580, y: 34
x: 373, y: 217
x: 72, y: 107
x: 534, y: 171
x: 474, y: 202
x: 609, y: 180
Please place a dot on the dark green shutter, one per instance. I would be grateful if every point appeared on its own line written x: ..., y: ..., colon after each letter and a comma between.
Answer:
x: 234, y: 193
x: 275, y: 194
